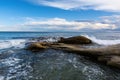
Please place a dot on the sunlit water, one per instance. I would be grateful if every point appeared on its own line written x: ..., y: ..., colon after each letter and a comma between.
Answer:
x: 19, y: 64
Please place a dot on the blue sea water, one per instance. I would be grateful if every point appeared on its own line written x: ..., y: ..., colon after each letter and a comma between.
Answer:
x: 19, y: 64
x: 24, y: 35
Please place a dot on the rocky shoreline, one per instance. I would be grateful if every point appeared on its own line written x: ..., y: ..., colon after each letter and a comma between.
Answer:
x: 110, y: 55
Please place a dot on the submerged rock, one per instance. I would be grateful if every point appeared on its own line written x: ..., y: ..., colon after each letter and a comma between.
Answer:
x: 75, y: 40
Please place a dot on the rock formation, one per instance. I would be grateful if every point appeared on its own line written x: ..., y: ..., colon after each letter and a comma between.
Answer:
x: 108, y: 54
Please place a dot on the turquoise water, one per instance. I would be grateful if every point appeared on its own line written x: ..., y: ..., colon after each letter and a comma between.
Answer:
x: 19, y: 64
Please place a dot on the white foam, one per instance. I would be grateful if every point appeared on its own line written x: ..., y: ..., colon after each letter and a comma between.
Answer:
x: 103, y: 42
x: 1, y: 77
x: 12, y: 43
x: 10, y: 61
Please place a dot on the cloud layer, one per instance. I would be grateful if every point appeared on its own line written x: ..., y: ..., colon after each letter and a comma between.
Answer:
x: 106, y: 5
x: 60, y: 24
x: 65, y: 25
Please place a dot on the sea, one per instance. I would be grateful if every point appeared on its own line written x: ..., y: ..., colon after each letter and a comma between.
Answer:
x: 16, y: 63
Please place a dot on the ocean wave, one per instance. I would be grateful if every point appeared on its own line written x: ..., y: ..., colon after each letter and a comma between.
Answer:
x: 103, y: 41
x: 17, y: 43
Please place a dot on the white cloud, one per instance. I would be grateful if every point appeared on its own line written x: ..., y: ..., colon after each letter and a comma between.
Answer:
x: 60, y: 24
x: 111, y: 19
x: 106, y: 5
x: 114, y: 19
x: 65, y: 25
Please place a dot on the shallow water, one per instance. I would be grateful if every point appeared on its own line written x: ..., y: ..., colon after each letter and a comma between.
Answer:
x: 52, y: 65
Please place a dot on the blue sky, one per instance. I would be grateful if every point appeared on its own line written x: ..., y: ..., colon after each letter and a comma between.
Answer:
x: 51, y: 15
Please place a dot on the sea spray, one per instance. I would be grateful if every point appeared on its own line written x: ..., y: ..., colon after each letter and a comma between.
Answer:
x: 103, y: 41
x: 12, y: 43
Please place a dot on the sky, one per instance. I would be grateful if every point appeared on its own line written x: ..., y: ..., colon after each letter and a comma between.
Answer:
x: 59, y: 15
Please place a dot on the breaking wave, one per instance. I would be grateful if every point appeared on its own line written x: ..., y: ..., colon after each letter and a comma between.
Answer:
x: 17, y: 43
x: 103, y: 41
